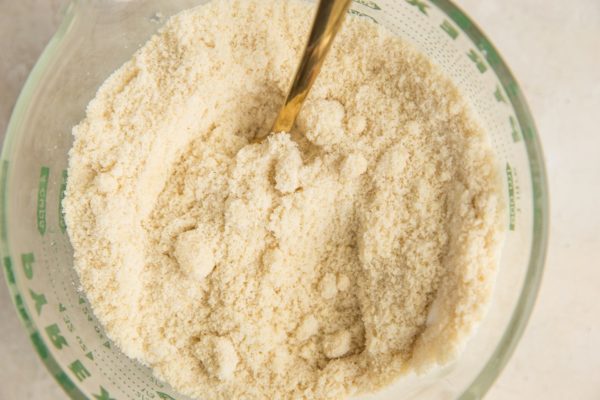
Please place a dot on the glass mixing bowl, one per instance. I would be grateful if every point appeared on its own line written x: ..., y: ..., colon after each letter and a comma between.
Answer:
x: 96, y: 37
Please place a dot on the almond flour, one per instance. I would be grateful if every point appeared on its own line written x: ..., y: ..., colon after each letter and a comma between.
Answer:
x: 321, y: 263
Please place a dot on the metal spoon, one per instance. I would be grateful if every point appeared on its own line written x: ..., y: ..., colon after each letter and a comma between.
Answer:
x: 328, y: 20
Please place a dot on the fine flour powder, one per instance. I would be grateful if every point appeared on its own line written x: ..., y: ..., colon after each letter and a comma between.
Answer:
x: 317, y: 264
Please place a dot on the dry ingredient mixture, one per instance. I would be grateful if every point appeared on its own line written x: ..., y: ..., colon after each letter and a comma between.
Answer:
x: 318, y: 264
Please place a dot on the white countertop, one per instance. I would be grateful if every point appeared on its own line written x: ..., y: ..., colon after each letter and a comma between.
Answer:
x: 553, y: 48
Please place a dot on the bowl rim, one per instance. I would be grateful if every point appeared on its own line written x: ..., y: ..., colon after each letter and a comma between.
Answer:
x: 540, y: 194
x: 541, y: 205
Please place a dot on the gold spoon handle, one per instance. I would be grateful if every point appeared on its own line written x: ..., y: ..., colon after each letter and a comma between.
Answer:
x: 328, y: 20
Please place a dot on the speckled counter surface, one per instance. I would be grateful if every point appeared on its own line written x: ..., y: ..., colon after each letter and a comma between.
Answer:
x: 553, y: 47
